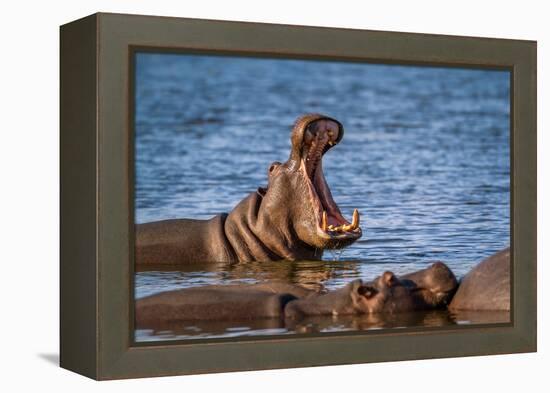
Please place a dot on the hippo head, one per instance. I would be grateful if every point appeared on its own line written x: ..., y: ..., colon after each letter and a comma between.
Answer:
x: 388, y: 293
x: 436, y: 284
x: 298, y: 196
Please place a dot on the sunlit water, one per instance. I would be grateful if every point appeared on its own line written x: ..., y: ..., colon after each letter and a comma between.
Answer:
x: 425, y: 159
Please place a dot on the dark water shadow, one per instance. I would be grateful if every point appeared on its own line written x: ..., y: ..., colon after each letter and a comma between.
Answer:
x: 52, y: 358
x: 184, y: 330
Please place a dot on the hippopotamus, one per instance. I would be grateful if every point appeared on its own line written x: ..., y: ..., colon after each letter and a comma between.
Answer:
x: 426, y: 289
x: 486, y: 287
x: 218, y: 302
x: 437, y: 283
x: 295, y: 217
x: 385, y: 294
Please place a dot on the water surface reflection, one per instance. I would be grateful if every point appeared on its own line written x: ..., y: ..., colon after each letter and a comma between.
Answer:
x: 318, y: 275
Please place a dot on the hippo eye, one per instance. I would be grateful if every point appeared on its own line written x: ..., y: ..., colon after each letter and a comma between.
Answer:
x: 367, y: 291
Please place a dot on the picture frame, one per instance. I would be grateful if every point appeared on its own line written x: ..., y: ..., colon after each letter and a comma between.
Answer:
x: 97, y: 180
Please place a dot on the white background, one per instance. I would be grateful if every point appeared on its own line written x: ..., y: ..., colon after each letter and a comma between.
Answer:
x: 29, y: 194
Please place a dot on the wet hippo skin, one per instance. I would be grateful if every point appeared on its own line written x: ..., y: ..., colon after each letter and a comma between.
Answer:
x: 436, y: 284
x: 385, y: 294
x: 348, y: 300
x: 423, y: 290
x: 217, y: 302
x: 486, y: 286
x: 294, y: 217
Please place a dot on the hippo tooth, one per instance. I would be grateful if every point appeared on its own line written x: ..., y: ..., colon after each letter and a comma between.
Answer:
x: 354, y: 224
x: 355, y: 221
x: 324, y: 223
x: 308, y: 137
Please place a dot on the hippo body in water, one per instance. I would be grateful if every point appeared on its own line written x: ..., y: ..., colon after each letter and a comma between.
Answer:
x: 294, y: 218
x: 486, y: 287
x: 218, y: 302
x: 426, y: 289
x: 385, y: 294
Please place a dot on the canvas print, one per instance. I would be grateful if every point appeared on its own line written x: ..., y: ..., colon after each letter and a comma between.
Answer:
x: 304, y: 197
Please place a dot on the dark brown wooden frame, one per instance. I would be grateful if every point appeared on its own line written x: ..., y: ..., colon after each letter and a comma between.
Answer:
x: 97, y: 195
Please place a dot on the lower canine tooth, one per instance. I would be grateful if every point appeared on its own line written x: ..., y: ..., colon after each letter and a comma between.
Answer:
x: 324, y: 222
x: 355, y: 221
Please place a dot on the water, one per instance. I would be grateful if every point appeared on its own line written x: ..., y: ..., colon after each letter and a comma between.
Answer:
x: 425, y: 159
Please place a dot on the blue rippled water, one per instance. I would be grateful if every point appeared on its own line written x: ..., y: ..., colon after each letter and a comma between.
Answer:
x: 425, y: 157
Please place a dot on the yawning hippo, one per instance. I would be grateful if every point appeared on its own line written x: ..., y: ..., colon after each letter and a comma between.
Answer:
x: 386, y: 294
x: 295, y: 217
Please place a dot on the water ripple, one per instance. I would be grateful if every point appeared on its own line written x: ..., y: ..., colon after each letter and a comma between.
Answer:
x: 425, y: 157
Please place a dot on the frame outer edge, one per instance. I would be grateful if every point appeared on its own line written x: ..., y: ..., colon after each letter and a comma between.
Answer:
x: 525, y: 197
x: 78, y: 197
x: 117, y: 357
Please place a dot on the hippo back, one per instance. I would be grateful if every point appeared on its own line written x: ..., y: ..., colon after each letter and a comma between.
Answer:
x: 218, y: 302
x: 486, y: 286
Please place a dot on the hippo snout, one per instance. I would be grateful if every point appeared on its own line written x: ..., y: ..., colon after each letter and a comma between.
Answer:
x: 442, y: 279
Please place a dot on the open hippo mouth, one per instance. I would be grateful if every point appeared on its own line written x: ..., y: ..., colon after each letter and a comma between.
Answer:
x: 318, y: 137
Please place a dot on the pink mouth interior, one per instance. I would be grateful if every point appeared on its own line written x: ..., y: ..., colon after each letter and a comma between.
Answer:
x: 314, y: 170
x: 334, y: 217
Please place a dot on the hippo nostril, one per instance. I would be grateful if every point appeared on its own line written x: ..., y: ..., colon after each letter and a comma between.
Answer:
x: 273, y: 166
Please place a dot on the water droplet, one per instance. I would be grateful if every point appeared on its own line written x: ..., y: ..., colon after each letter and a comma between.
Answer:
x: 336, y: 254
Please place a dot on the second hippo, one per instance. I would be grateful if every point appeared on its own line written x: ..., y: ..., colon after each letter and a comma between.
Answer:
x: 218, y: 302
x: 426, y: 289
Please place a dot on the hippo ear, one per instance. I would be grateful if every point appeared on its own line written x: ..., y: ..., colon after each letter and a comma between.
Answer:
x: 367, y: 291
x: 389, y: 279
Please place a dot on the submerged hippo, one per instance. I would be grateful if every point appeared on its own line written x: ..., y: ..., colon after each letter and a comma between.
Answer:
x: 486, y: 287
x: 295, y: 217
x: 425, y: 289
x: 385, y: 294
x: 218, y: 302
x: 437, y: 283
